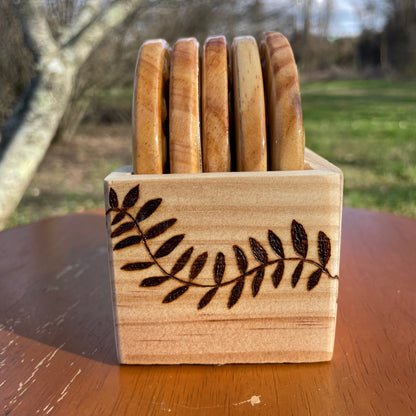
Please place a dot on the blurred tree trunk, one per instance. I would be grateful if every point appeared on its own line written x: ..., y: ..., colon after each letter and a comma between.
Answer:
x: 400, y: 37
x: 307, y: 13
x: 28, y: 133
x: 304, y: 43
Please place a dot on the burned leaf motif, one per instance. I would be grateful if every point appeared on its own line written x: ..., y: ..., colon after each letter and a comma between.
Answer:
x: 324, y: 248
x: 123, y: 228
x: 258, y: 251
x: 112, y: 198
x: 299, y: 239
x: 207, y: 298
x: 219, y: 268
x: 313, y: 279
x: 276, y: 244
x: 182, y: 261
x: 148, y: 209
x: 127, y: 242
x: 171, y: 296
x: 168, y: 246
x: 241, y: 259
x: 118, y: 217
x: 159, y: 229
x: 277, y: 275
x: 198, y: 265
x: 131, y: 198
x: 154, y: 281
x: 137, y: 266
x: 236, y: 292
x: 296, y: 274
x: 257, y: 281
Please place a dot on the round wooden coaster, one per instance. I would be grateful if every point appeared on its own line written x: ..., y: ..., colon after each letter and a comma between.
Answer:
x: 284, y: 109
x: 215, y: 106
x: 149, y: 107
x: 184, y: 135
x: 249, y: 108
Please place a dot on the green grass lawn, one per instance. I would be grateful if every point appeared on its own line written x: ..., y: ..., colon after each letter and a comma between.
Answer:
x: 367, y: 128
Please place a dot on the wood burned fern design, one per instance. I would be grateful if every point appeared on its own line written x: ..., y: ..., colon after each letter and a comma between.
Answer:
x: 256, y: 273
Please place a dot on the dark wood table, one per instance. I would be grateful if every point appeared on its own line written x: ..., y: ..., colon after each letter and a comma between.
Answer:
x: 58, y: 357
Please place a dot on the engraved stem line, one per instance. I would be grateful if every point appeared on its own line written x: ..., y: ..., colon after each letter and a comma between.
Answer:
x: 229, y: 282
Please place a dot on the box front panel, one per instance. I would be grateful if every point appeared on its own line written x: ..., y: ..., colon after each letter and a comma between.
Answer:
x: 211, y: 269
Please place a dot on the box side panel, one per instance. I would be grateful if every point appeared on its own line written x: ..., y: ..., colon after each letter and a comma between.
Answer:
x: 112, y: 270
x: 235, y: 269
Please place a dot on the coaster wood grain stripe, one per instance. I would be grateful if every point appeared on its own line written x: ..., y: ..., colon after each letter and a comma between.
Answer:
x: 215, y: 106
x: 149, y: 107
x: 184, y: 135
x: 286, y: 132
x: 249, y: 108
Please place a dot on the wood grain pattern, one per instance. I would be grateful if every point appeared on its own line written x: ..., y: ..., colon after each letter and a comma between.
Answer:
x: 164, y: 316
x: 149, y: 107
x: 58, y: 355
x: 184, y: 133
x: 215, y: 106
x: 249, y: 107
x: 284, y: 109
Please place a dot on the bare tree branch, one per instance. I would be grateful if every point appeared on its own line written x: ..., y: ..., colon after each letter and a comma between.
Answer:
x: 89, y: 38
x: 89, y: 13
x: 35, y: 28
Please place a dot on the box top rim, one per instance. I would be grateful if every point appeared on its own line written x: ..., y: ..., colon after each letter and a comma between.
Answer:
x: 314, y: 165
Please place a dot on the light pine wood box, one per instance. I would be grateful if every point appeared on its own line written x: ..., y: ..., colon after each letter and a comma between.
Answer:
x: 205, y: 268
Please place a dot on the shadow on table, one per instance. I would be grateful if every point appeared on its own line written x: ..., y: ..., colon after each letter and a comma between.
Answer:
x: 58, y: 291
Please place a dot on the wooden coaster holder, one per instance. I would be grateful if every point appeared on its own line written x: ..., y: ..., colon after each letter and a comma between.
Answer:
x: 215, y: 268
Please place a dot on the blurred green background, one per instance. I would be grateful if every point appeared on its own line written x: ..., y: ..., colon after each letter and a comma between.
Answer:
x: 358, y: 94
